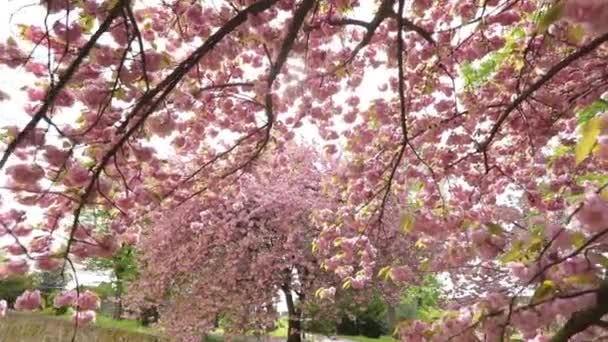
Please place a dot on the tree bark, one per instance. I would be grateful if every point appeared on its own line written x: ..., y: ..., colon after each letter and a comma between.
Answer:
x: 584, y: 319
x: 392, y: 316
x: 117, y: 314
x: 294, y: 323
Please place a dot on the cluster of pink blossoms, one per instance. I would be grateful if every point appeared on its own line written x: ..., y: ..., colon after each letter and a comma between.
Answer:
x: 592, y: 13
x: 184, y: 73
x: 84, y: 305
x: 29, y: 301
x: 602, y: 140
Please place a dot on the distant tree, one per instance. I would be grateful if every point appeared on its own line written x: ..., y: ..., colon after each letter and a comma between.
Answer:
x: 121, y: 265
x: 123, y: 268
x: 420, y: 302
x: 13, y: 287
x: 231, y: 254
x: 49, y: 282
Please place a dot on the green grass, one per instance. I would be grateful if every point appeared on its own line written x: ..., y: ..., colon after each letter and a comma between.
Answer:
x: 368, y: 339
x: 38, y: 327
x: 109, y: 323
x: 124, y: 324
x: 281, y: 330
x: 132, y: 326
x: 214, y: 337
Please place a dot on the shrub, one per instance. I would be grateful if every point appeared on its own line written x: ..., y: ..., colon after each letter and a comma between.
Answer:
x: 318, y: 321
x: 13, y: 287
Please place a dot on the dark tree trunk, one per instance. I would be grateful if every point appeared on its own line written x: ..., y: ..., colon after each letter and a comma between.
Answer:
x: 581, y: 320
x: 117, y: 314
x: 392, y: 316
x: 294, y: 323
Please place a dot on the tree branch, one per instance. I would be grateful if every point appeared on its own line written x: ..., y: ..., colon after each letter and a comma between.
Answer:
x: 586, y: 49
x: 384, y: 11
x: 150, y: 101
x: 63, y: 80
x: 292, y: 33
x: 584, y: 319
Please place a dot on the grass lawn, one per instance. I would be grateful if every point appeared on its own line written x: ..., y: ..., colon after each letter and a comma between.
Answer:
x: 281, y: 330
x: 133, y: 326
x: 110, y: 323
x: 32, y: 326
x: 124, y: 324
x: 368, y: 339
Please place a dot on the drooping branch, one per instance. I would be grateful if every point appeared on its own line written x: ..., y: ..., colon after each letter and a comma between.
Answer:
x: 583, y: 51
x: 164, y: 88
x: 409, y: 25
x: 292, y: 33
x: 384, y: 11
x: 574, y: 253
x: 150, y: 101
x: 142, y: 52
x: 402, y: 110
x: 52, y: 94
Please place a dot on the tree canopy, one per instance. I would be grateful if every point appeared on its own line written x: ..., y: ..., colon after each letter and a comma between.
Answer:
x: 473, y: 134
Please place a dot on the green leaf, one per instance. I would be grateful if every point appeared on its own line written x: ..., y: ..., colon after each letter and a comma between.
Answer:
x: 590, y: 131
x: 589, y: 112
x: 580, y: 279
x: 495, y: 229
x: 544, y: 290
x: 597, y: 178
x: 407, y: 222
x: 553, y: 14
x: 120, y: 94
x: 516, y: 253
x: 477, y: 316
x: 578, y: 239
x: 420, y: 244
x: 385, y: 272
x: 424, y: 265
x: 604, y: 194
x: 603, y: 260
x: 315, y: 247
x: 536, y: 244
x: 575, y: 34
x: 86, y: 21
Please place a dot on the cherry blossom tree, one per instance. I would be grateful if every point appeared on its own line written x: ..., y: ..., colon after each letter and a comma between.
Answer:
x: 480, y: 126
x: 230, y: 254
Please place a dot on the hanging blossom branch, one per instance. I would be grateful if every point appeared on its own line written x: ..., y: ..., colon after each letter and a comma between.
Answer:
x: 61, y: 83
x: 150, y: 101
x: 581, y: 52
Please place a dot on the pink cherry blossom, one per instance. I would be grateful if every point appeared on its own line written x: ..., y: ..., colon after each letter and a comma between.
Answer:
x: 17, y: 266
x: 64, y: 299
x: 29, y: 301
x: 16, y: 249
x: 84, y: 317
x: 25, y: 173
x: 3, y: 307
x: 48, y: 263
x: 77, y: 175
x: 594, y: 213
x: 87, y: 301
